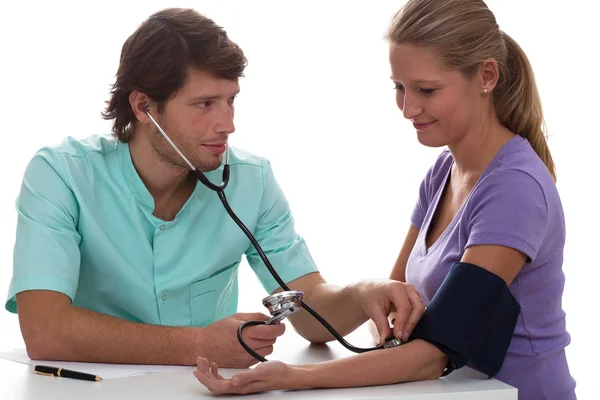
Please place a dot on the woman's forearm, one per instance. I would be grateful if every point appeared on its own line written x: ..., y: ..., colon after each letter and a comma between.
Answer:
x: 414, y: 361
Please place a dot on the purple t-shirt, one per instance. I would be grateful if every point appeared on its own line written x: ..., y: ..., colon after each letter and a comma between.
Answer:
x: 515, y: 204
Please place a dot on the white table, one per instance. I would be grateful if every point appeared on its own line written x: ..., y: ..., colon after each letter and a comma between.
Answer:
x: 17, y: 381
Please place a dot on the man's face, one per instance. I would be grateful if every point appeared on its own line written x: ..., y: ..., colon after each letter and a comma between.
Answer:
x: 198, y: 120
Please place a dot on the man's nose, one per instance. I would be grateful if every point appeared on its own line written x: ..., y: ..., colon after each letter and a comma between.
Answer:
x: 225, y: 120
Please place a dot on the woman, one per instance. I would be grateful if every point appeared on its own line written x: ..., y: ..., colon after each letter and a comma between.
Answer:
x: 488, y: 207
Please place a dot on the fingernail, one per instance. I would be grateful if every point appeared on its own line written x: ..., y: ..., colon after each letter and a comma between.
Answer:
x: 399, y: 334
x: 235, y: 380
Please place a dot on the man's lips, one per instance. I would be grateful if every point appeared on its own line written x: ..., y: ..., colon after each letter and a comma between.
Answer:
x: 217, y: 148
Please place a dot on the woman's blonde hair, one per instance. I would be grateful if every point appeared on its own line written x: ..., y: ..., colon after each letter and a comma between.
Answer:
x: 464, y: 33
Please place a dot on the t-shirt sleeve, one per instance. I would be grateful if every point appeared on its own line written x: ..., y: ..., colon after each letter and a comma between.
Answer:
x: 46, y: 253
x: 429, y: 185
x: 418, y: 214
x: 276, y: 234
x: 508, y: 209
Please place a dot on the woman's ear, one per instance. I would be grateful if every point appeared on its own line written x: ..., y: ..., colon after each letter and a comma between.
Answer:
x: 489, y: 75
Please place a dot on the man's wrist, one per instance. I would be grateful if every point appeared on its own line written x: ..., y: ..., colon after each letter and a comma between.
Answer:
x: 352, y: 292
x: 191, y: 344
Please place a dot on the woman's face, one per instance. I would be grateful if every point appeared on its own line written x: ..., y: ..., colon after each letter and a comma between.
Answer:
x: 443, y: 105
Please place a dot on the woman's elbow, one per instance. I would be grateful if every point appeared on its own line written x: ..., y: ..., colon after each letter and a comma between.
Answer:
x: 435, y: 368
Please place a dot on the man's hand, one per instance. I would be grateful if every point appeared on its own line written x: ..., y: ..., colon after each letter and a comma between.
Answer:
x: 380, y: 298
x: 220, y: 343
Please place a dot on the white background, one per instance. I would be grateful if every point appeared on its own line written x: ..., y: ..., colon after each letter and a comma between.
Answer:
x: 318, y: 102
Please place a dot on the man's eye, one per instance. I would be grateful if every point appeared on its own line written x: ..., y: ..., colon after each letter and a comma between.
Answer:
x: 398, y: 87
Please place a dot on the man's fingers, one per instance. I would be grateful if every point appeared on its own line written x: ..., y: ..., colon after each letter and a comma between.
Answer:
x: 403, y: 308
x: 264, y: 351
x: 252, y: 316
x: 257, y: 344
x: 383, y: 327
x: 418, y: 309
x: 264, y: 332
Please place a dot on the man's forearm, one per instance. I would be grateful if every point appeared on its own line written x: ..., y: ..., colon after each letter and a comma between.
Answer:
x: 414, y: 361
x: 77, y: 334
x: 336, y: 305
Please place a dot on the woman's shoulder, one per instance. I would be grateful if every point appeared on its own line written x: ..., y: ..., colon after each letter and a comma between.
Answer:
x: 438, y: 172
x: 518, y: 162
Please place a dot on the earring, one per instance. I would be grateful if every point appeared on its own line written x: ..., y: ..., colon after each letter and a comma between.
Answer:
x: 485, y: 91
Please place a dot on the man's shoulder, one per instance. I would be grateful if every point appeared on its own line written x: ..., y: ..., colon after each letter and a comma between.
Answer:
x: 72, y: 154
x: 242, y: 158
x: 81, y: 148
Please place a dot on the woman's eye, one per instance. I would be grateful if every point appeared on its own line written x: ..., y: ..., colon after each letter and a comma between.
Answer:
x: 398, y: 87
x: 427, y: 90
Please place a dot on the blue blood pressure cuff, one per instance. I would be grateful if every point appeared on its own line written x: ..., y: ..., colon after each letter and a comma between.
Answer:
x: 471, y: 319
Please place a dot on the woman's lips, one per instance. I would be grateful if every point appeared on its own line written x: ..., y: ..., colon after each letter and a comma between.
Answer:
x: 422, y: 126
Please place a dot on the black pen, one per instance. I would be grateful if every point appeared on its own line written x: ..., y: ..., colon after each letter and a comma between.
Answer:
x: 64, y: 373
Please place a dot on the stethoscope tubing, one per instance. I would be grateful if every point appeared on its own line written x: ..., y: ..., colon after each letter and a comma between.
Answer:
x: 220, y: 190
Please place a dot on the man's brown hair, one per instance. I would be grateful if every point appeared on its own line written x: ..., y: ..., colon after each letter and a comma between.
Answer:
x: 156, y: 57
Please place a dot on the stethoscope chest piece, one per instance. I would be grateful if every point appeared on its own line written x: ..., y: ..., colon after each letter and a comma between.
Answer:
x: 282, y: 304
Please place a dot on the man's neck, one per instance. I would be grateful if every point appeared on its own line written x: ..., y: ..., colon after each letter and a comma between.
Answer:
x: 170, y: 185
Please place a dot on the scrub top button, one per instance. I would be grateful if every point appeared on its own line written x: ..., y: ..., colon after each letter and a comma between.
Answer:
x: 162, y: 227
x: 164, y: 297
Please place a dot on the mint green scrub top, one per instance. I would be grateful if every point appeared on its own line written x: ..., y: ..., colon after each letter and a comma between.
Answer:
x: 85, y: 228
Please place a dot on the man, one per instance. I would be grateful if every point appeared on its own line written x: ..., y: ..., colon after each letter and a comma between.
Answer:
x: 123, y: 257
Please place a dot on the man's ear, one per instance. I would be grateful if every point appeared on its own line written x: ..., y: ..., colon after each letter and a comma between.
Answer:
x: 139, y: 102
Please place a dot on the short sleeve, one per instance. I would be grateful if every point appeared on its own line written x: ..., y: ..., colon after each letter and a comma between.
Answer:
x: 435, y: 177
x: 508, y: 208
x: 46, y: 253
x: 276, y: 234
x: 420, y: 210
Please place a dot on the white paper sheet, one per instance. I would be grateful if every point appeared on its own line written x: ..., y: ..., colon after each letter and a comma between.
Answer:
x: 104, y: 371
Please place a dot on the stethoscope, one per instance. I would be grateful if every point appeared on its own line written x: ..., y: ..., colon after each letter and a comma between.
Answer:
x: 281, y: 304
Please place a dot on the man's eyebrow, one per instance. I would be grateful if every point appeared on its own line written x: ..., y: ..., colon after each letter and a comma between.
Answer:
x: 210, y: 97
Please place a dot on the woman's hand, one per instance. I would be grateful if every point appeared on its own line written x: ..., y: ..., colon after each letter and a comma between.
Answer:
x: 270, y: 375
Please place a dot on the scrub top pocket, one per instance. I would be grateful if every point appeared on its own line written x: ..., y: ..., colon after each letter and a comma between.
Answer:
x: 214, y: 298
